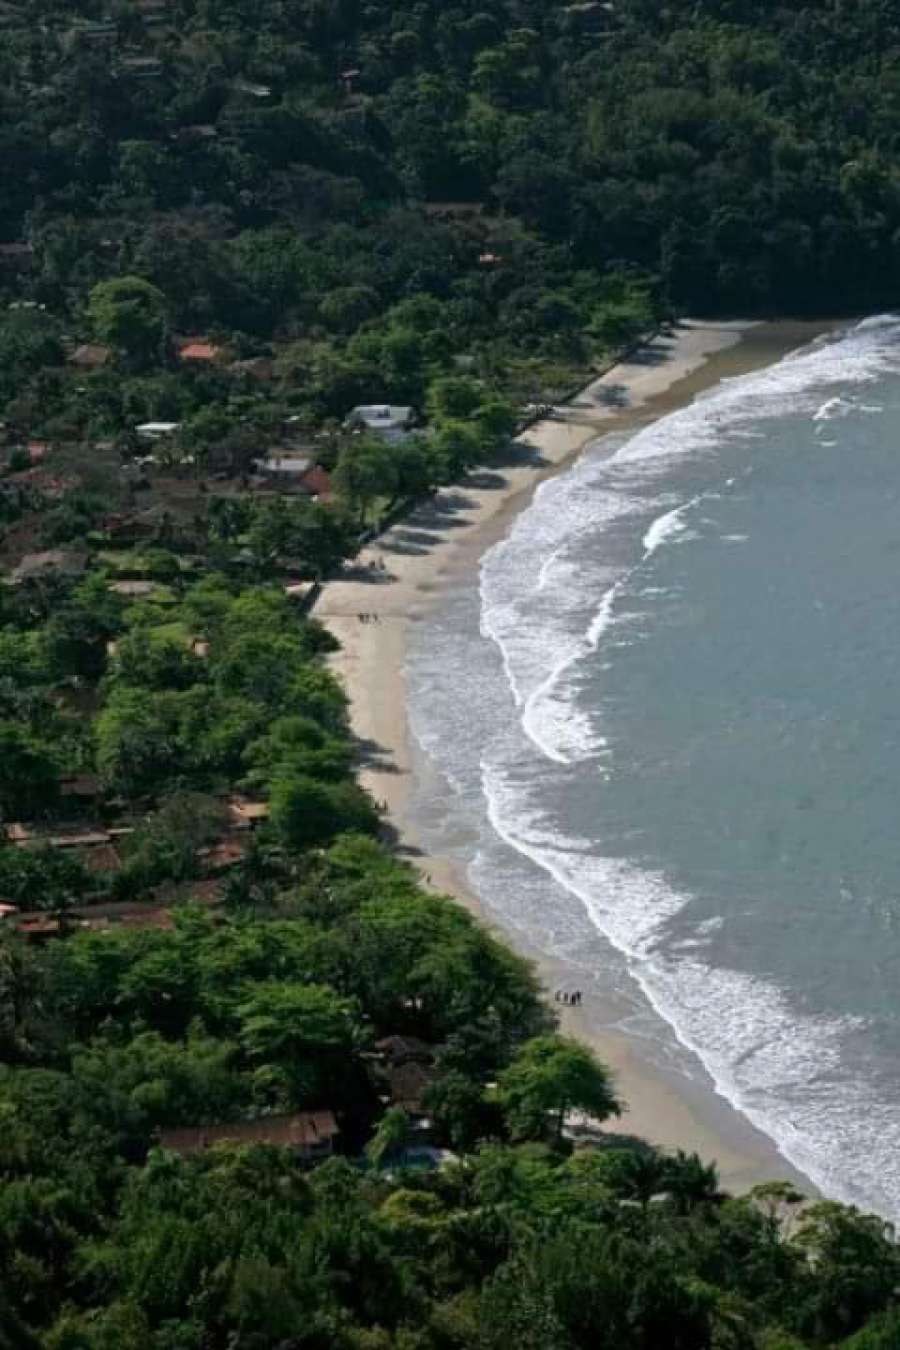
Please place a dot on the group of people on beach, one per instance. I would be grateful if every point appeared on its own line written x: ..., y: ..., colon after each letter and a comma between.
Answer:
x: 573, y: 1000
x: 367, y: 618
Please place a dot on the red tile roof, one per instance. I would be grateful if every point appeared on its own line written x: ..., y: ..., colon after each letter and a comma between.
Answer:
x: 200, y: 351
x: 316, y: 481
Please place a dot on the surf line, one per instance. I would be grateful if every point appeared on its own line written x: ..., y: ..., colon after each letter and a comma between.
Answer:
x: 665, y: 527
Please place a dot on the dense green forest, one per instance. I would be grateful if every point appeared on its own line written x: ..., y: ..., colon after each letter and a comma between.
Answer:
x: 109, y: 1242
x: 364, y: 193
x: 260, y: 1089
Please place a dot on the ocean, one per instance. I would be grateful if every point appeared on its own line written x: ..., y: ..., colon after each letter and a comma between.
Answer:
x: 669, y: 719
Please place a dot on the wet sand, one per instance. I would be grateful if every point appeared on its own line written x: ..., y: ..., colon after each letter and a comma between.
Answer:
x: 403, y: 574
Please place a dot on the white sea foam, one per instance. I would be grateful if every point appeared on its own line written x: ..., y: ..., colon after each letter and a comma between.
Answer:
x: 666, y: 528
x: 534, y: 597
x: 765, y: 1056
x: 538, y: 591
x: 833, y: 407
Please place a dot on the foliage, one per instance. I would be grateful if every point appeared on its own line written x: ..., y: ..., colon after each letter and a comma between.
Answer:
x: 550, y: 1074
x: 128, y: 313
x: 462, y: 209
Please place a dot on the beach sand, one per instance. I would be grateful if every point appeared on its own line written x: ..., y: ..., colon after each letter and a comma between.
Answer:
x: 399, y: 577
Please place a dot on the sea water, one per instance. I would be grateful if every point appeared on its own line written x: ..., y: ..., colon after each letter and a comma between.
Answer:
x: 671, y: 716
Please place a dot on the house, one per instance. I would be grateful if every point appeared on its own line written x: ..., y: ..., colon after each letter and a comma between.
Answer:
x: 398, y: 1050
x: 292, y: 471
x: 79, y: 837
x: 390, y: 422
x: 403, y: 1076
x: 156, y: 431
x: 81, y: 787
x: 200, y: 349
x: 245, y: 814
x: 39, y: 927
x: 90, y: 356
x: 53, y: 562
x: 407, y: 1086
x: 310, y: 1135
x: 316, y: 483
x: 284, y: 467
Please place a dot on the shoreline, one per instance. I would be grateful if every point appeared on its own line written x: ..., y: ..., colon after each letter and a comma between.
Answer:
x: 403, y: 574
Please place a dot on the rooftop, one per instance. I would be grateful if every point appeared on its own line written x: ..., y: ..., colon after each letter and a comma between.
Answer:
x: 90, y: 355
x: 407, y: 1084
x: 199, y: 349
x: 399, y: 1049
x: 36, y: 565
x: 133, y: 589
x: 306, y: 1130
x: 244, y: 813
x: 378, y: 415
x: 154, y: 430
x: 274, y: 462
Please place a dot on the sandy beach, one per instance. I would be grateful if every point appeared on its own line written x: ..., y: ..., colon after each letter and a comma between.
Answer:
x: 403, y: 574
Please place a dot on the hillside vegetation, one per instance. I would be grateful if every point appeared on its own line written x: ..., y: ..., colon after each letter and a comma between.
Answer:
x: 260, y: 1090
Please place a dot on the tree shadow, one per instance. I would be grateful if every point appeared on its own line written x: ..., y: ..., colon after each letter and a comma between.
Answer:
x: 366, y: 574
x: 612, y: 396
x: 517, y: 455
x: 592, y: 1136
x: 370, y: 755
x: 485, y: 480
x: 649, y: 356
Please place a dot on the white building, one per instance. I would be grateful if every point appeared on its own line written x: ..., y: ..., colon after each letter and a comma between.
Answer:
x: 287, y: 467
x: 387, y: 420
x: 156, y: 431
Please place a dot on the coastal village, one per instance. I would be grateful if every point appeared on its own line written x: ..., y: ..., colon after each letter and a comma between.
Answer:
x: 300, y: 304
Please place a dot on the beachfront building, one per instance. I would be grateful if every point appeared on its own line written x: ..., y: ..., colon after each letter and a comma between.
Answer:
x: 295, y: 472
x: 387, y: 420
x: 402, y: 1071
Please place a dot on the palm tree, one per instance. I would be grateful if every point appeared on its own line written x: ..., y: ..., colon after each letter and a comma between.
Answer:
x: 691, y: 1182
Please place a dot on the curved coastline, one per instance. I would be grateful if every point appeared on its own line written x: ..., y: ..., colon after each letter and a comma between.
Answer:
x: 439, y: 547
